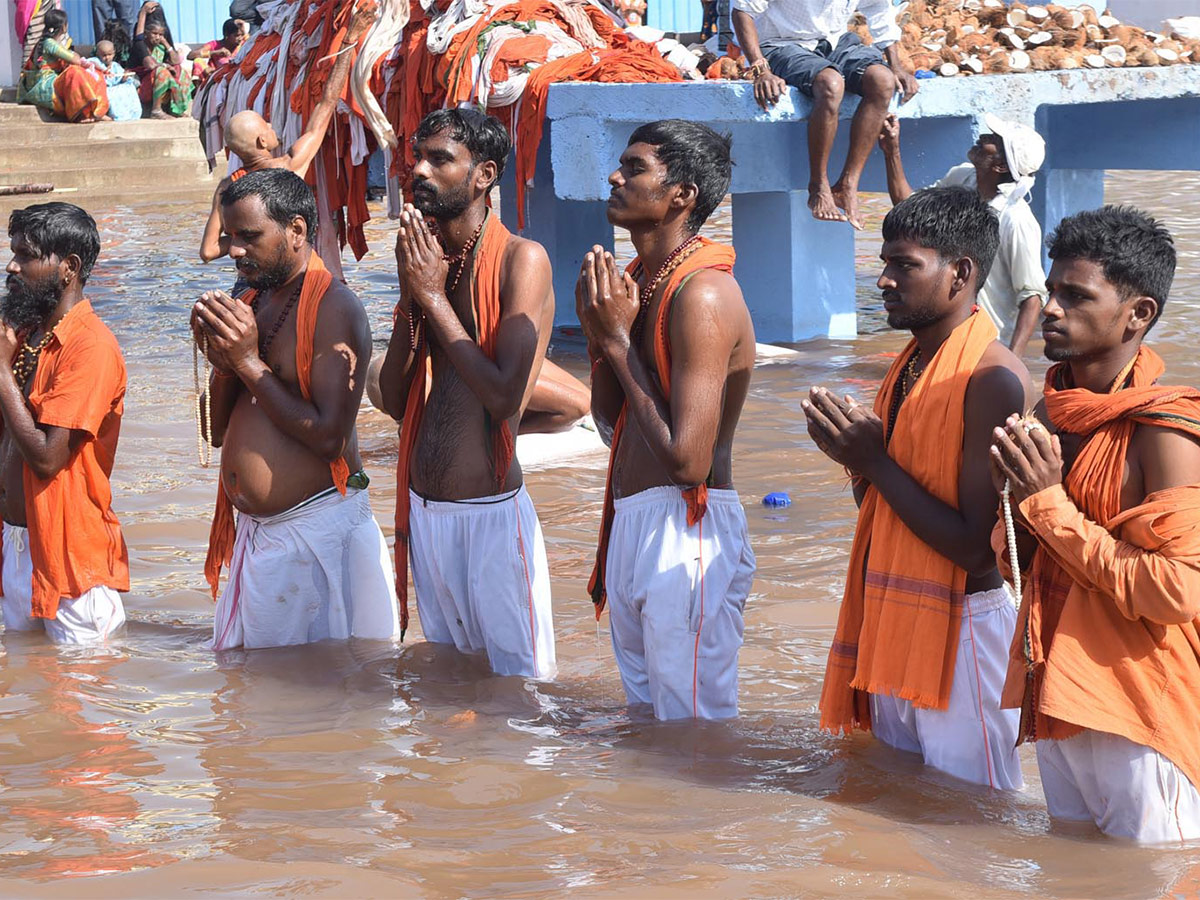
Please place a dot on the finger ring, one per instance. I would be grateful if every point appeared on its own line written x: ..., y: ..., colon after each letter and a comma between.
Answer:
x: 1031, y: 427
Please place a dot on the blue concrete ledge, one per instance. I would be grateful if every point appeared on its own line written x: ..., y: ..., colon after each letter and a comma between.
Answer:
x: 798, y: 274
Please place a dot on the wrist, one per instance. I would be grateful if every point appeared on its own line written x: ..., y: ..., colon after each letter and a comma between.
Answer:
x: 759, y: 68
x: 250, y: 368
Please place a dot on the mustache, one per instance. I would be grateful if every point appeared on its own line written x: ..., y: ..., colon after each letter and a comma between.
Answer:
x: 890, y: 296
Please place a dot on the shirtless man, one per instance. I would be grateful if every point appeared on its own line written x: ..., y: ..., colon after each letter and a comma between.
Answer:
x: 308, y: 561
x: 62, y: 393
x: 253, y: 140
x: 1105, y: 484
x: 478, y: 302
x: 926, y: 619
x: 673, y: 350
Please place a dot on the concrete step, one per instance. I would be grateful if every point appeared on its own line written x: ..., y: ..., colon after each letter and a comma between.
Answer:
x: 27, y: 159
x: 34, y: 131
x: 22, y: 114
x: 190, y: 201
x: 158, y: 176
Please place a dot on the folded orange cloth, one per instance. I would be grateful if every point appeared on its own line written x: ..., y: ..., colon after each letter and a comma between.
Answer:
x: 1107, y: 636
x: 898, y: 628
x: 222, y: 533
x: 709, y: 255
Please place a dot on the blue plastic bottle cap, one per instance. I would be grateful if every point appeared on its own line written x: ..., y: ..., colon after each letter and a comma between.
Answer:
x: 777, y: 498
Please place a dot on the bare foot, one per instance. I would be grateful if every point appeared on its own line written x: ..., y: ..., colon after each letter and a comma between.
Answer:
x: 821, y: 202
x: 847, y: 199
x: 159, y: 114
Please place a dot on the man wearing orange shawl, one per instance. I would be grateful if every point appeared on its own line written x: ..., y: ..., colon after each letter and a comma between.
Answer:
x: 672, y: 346
x: 925, y: 623
x: 471, y: 328
x: 1105, y: 486
x: 307, y: 561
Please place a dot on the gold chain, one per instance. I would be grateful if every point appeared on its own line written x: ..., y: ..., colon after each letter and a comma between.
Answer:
x: 203, y: 401
x: 27, y: 359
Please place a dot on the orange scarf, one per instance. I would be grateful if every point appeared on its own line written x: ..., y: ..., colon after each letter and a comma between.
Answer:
x: 485, y: 302
x: 223, y: 533
x: 898, y: 628
x: 710, y: 255
x: 1076, y: 660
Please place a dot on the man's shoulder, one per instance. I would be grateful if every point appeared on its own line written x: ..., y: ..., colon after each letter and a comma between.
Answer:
x: 999, y: 377
x: 710, y: 288
x: 339, y: 299
x: 522, y: 251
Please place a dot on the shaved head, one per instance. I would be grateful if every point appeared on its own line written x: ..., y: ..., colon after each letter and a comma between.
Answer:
x: 105, y: 47
x: 248, y: 132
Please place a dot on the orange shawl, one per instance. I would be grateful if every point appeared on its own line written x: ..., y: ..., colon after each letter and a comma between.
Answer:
x: 898, y: 627
x: 1091, y: 648
x: 710, y: 255
x: 222, y: 534
x: 486, y: 270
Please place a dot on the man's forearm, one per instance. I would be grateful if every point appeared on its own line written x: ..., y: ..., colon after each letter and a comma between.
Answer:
x: 223, y: 390
x: 607, y: 398
x: 1023, y: 328
x: 399, y: 367
x: 747, y: 36
x: 297, y: 418
x: 19, y: 422
x: 897, y: 180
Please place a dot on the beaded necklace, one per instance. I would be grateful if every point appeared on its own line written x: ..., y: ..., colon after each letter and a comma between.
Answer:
x: 264, y: 344
x: 203, y: 400
x: 907, y: 381
x: 460, y: 258
x: 669, y: 265
x: 27, y: 359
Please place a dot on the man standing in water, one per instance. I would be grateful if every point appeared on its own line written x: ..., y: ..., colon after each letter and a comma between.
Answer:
x: 672, y: 346
x: 926, y: 619
x: 1106, y: 662
x: 307, y: 560
x: 477, y: 302
x: 252, y: 139
x: 62, y: 393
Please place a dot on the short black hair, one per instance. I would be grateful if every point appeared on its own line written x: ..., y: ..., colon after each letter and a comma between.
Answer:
x: 230, y: 28
x: 482, y: 135
x: 954, y: 221
x: 692, y: 154
x: 54, y: 23
x: 1136, y: 251
x: 58, y: 229
x: 284, y: 195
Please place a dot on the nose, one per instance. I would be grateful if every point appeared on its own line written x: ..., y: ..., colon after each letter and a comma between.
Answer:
x: 236, y: 250
x: 12, y: 268
x: 422, y: 169
x: 1052, y: 309
x: 615, y: 178
x: 885, y: 282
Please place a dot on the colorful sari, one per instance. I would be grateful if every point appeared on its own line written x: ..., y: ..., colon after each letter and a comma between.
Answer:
x: 123, y: 100
x: 161, y: 79
x: 36, y: 84
x: 80, y: 94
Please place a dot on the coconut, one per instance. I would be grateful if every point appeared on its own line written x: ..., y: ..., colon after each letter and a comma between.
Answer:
x: 932, y: 46
x: 973, y: 65
x: 1142, y: 56
x: 1095, y: 61
x: 950, y: 55
x: 1106, y: 21
x: 1094, y: 33
x: 1039, y: 38
x: 1166, y: 55
x: 1127, y: 35
x: 948, y: 70
x: 1011, y: 38
x: 1115, y: 55
x: 1040, y: 61
x: 1016, y: 17
x: 992, y: 17
x: 1019, y: 60
x: 1072, y: 37
x: 973, y: 43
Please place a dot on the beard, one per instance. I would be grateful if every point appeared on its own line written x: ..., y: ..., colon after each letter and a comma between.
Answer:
x: 1060, y: 354
x: 441, y: 205
x: 265, y: 276
x: 911, y: 319
x: 27, y: 305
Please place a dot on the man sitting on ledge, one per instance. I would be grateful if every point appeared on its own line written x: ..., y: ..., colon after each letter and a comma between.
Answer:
x: 805, y: 43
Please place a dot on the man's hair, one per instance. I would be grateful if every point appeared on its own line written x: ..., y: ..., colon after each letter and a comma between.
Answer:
x: 692, y: 154
x: 58, y: 229
x: 230, y: 28
x: 1135, y: 250
x: 54, y: 23
x: 483, y: 136
x: 953, y: 221
x: 284, y: 195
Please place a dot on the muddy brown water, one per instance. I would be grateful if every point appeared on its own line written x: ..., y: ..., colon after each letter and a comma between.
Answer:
x: 155, y: 768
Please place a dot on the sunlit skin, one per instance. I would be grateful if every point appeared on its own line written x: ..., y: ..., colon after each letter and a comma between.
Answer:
x: 277, y: 446
x: 690, y: 438
x: 930, y: 296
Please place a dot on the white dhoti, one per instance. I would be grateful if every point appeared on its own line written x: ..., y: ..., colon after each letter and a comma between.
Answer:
x: 972, y: 738
x: 482, y: 582
x: 1128, y: 790
x: 317, y: 571
x: 91, y: 618
x: 676, y: 594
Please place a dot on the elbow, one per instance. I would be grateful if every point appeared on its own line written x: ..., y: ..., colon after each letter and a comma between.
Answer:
x: 207, y: 254
x: 503, y: 408
x: 46, y: 470
x: 688, y: 472
x: 330, y: 449
x: 980, y: 564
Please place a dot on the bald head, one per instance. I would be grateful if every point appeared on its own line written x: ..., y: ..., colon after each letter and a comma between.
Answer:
x: 249, y: 133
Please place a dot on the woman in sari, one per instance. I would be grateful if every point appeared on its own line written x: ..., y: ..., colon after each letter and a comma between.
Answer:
x: 58, y: 79
x: 166, y: 88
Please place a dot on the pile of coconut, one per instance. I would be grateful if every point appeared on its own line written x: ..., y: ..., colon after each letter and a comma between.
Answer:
x: 989, y: 37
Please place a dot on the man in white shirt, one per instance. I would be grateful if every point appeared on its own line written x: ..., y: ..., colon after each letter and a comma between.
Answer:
x: 805, y: 43
x: 1000, y: 166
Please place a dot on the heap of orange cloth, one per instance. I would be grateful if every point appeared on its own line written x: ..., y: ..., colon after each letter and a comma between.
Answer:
x: 898, y: 627
x: 709, y: 255
x: 486, y: 270
x: 1108, y: 636
x: 222, y: 534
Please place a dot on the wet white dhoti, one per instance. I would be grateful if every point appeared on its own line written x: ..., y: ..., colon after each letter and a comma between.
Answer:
x: 482, y: 582
x: 91, y: 618
x: 1127, y: 789
x: 319, y: 570
x: 973, y: 738
x: 676, y: 594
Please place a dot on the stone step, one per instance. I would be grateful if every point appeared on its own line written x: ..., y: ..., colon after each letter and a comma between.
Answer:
x: 158, y: 176
x: 29, y: 160
x: 35, y: 132
x: 22, y: 114
x: 190, y: 200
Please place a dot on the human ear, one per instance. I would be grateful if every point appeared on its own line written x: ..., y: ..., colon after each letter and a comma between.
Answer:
x: 964, y: 274
x: 1142, y: 311
x: 486, y: 175
x: 68, y: 268
x: 298, y: 232
x: 685, y: 195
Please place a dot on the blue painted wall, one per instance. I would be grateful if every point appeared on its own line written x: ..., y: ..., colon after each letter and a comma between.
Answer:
x: 674, y: 15
x: 191, y: 21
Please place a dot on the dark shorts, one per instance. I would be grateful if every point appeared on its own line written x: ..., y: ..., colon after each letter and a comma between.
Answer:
x: 798, y: 66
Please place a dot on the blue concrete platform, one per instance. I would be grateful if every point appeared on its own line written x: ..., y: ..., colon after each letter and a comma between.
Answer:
x: 798, y: 274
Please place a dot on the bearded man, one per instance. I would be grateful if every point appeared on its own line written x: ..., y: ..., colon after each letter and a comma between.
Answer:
x: 476, y: 301
x: 62, y: 393
x: 307, y: 560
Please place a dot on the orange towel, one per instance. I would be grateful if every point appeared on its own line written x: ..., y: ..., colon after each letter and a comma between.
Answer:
x: 485, y: 303
x: 710, y: 255
x: 221, y: 535
x: 1106, y: 636
x: 898, y: 627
